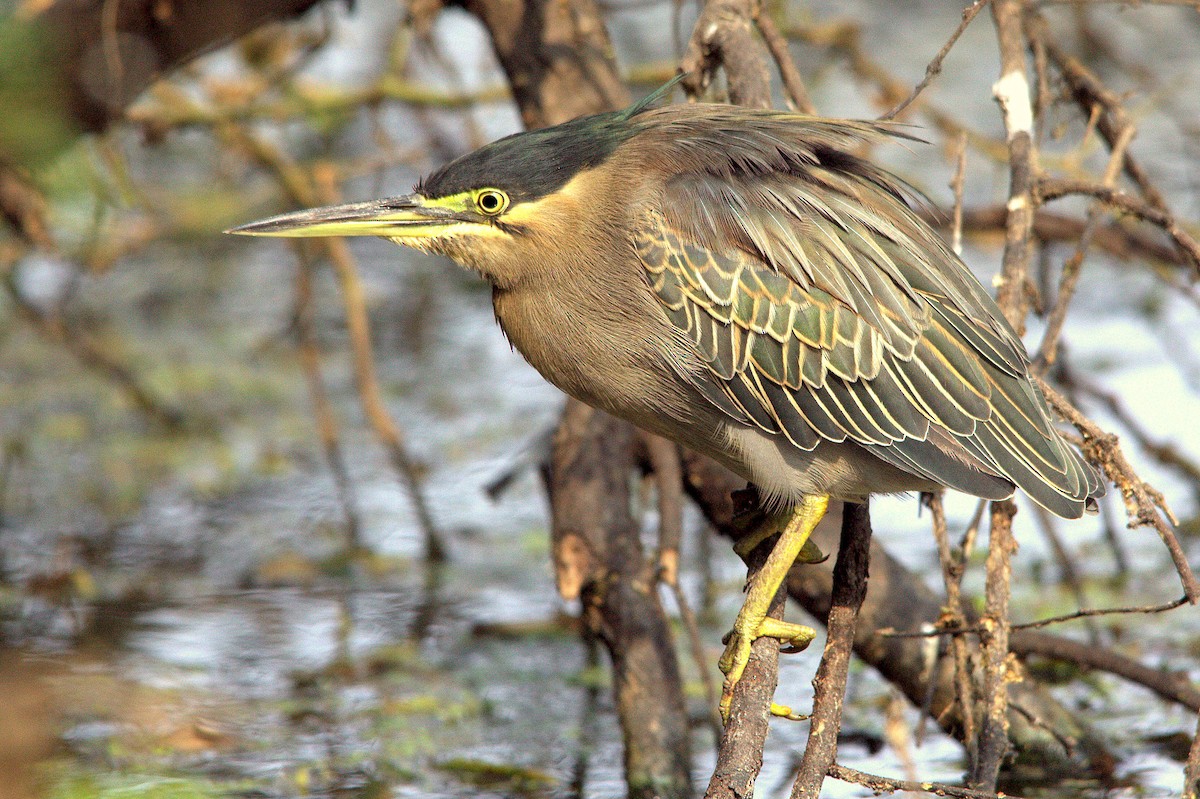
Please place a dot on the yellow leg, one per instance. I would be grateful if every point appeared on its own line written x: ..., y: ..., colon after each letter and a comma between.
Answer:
x: 752, y: 621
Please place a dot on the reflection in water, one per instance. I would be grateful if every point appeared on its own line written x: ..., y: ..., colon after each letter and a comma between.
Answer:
x: 588, y: 716
x: 430, y: 610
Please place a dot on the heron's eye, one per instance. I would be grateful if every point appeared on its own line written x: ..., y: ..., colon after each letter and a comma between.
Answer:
x: 491, y: 201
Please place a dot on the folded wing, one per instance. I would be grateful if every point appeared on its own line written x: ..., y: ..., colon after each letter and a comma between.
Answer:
x: 825, y: 309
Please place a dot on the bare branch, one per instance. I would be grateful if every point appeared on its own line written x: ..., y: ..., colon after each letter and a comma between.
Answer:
x: 1163, y: 451
x: 92, y: 356
x: 1191, y: 772
x: 740, y: 755
x: 793, y: 83
x: 1029, y: 625
x: 956, y: 185
x: 1024, y: 641
x: 1052, y: 188
x: 24, y: 207
x: 995, y: 625
x: 663, y: 456
x: 829, y: 686
x: 1012, y: 93
x: 303, y: 192
x: 722, y: 37
x: 668, y: 480
x: 1117, y: 240
x: 1089, y: 93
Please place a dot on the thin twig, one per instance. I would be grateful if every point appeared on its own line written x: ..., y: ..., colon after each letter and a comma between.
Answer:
x: 92, y: 356
x: 1142, y: 501
x: 322, y: 408
x: 880, y: 784
x: 1031, y: 625
x: 24, y: 207
x: 1169, y: 686
x: 371, y: 396
x: 845, y: 37
x: 1164, y: 451
x: 1085, y: 613
x: 1042, y: 98
x: 953, y: 567
x: 1025, y: 641
x: 971, y: 533
x: 1118, y: 240
x: 956, y: 185
x: 1054, y: 188
x: 1068, y: 744
x: 1072, y: 268
x: 1113, y: 539
x: 692, y: 627
x: 897, y: 733
x: 668, y: 478
x: 14, y: 450
x: 1089, y: 92
x: 708, y: 581
x: 934, y: 67
x: 1067, y: 283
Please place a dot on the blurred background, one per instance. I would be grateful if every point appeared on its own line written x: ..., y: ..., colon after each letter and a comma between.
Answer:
x: 213, y: 561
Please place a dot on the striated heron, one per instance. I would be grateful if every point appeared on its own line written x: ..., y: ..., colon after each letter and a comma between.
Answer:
x: 739, y: 281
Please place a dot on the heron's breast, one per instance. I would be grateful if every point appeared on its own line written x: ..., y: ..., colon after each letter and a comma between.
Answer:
x: 626, y: 363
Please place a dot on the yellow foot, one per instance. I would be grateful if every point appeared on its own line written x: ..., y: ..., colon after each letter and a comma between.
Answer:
x: 792, y: 637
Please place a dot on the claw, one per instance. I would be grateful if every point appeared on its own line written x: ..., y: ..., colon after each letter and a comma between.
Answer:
x: 792, y: 637
x: 785, y: 712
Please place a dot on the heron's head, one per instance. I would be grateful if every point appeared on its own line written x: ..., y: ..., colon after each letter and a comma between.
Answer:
x: 495, y: 209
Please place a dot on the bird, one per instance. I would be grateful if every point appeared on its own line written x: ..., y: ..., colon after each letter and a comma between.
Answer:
x: 742, y: 282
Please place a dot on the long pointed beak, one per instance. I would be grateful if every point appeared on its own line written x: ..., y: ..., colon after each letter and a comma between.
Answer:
x: 395, y: 217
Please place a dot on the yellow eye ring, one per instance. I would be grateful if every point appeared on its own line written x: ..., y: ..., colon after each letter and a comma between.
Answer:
x: 491, y: 202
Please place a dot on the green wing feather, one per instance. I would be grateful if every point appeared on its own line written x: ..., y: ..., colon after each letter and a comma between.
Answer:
x: 826, y: 310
